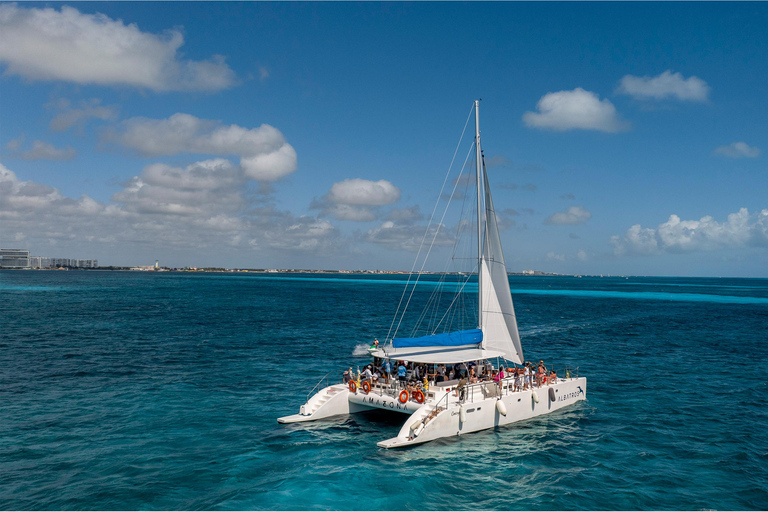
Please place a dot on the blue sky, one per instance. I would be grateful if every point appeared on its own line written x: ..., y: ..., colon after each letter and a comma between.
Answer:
x: 621, y: 138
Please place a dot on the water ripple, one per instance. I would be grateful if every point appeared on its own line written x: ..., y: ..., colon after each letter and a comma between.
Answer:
x: 125, y: 391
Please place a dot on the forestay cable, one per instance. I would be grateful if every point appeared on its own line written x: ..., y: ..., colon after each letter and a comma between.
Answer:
x: 426, y: 232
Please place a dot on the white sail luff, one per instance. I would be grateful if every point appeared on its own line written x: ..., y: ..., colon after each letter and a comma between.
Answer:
x: 498, y: 312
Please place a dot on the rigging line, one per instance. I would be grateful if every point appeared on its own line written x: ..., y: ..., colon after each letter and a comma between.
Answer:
x: 454, y: 300
x: 432, y: 328
x: 459, y: 226
x: 434, y: 209
x: 426, y: 257
x: 432, y: 309
x: 437, y: 230
x: 433, y: 298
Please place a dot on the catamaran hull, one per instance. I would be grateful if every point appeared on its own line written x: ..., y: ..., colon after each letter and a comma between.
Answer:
x: 485, y: 414
x: 328, y: 402
x: 443, y: 415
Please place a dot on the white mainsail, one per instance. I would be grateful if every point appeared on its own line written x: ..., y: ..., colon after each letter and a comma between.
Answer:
x: 499, y: 323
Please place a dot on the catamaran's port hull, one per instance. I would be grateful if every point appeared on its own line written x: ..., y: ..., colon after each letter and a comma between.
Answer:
x: 328, y: 402
x: 442, y: 415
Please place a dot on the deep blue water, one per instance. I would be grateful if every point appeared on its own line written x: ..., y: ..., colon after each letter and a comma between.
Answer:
x: 161, y: 391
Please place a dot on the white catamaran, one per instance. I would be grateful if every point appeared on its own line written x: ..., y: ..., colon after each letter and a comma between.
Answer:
x: 480, y: 395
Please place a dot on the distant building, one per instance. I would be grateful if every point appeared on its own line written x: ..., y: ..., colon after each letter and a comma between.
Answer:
x: 14, y: 258
x: 41, y: 262
x: 59, y: 262
x: 84, y: 263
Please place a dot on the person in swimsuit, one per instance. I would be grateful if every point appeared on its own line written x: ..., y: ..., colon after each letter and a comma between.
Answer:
x: 540, y: 374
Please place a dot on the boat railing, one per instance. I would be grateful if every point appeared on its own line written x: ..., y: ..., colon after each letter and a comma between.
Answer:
x: 440, y: 404
x: 323, y: 380
x: 472, y: 392
x: 479, y: 391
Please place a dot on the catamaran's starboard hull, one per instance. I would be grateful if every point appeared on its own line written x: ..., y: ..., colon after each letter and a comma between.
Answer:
x: 485, y: 414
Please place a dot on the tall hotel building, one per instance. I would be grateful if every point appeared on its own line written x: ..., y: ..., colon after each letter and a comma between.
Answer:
x: 14, y: 258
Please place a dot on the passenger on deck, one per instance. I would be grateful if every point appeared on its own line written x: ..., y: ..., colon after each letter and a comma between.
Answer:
x: 518, y: 378
x: 527, y: 376
x: 367, y: 374
x: 540, y: 373
x: 346, y: 377
x: 432, y: 376
x: 552, y: 377
x: 401, y: 372
x: 472, y: 376
x: 462, y: 388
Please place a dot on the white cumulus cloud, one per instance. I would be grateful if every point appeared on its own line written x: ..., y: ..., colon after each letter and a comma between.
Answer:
x: 208, y: 187
x: 358, y: 191
x: 665, y: 85
x: 32, y: 204
x: 573, y: 215
x: 738, y: 150
x: 575, y: 110
x: 357, y: 199
x: 203, y: 205
x: 264, y: 153
x: 272, y: 165
x: 67, y: 45
x: 740, y: 229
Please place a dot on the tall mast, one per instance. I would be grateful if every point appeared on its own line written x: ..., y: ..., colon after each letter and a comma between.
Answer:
x: 478, y: 164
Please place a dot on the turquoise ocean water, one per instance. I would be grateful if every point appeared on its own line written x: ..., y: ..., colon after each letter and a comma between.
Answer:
x: 161, y: 391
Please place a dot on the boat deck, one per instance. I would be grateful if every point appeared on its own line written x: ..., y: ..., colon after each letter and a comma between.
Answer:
x: 472, y: 393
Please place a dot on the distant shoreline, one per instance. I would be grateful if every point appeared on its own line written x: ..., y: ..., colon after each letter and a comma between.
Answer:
x: 288, y: 271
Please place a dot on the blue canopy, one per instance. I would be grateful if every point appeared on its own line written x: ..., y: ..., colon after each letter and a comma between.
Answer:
x: 449, y: 339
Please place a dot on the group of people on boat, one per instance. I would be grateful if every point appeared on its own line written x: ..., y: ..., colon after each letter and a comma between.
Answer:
x: 412, y: 376
x: 530, y: 375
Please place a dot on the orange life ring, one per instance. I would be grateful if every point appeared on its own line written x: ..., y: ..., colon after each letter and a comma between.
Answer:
x: 418, y: 396
x: 352, y: 386
x: 403, y: 396
x: 366, y: 386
